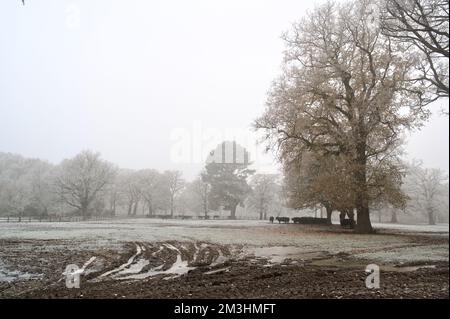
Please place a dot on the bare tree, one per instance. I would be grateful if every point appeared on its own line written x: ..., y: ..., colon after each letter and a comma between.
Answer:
x: 427, y: 189
x: 263, y: 193
x: 201, y: 190
x: 81, y: 179
x: 43, y: 195
x: 423, y: 25
x: 129, y: 184
x: 149, y: 188
x: 25, y: 185
x: 343, y: 91
x: 176, y: 184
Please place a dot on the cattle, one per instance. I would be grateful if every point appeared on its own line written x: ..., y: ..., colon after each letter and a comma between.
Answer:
x: 310, y: 221
x: 283, y: 220
x: 348, y: 223
x: 271, y: 219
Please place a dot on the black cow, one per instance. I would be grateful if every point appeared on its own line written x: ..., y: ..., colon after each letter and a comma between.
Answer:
x: 271, y: 219
x: 283, y: 220
x: 347, y: 222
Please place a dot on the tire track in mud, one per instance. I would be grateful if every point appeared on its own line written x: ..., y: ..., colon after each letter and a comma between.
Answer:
x: 169, y: 260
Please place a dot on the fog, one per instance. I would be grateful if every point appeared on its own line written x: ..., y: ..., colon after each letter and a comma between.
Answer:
x: 231, y: 149
x: 134, y: 79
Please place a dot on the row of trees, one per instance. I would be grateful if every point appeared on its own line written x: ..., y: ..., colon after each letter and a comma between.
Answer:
x: 356, y: 75
x: 86, y: 185
x: 83, y: 185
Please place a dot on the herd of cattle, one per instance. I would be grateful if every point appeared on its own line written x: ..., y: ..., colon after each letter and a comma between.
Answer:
x: 345, y: 223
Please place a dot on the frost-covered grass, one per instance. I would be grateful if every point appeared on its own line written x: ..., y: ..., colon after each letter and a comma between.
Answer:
x: 418, y: 254
x: 386, y: 246
x: 440, y: 228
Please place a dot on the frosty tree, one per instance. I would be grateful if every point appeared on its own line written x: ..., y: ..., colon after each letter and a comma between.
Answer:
x: 226, y: 172
x: 428, y: 191
x: 82, y: 178
x: 175, y: 184
x: 422, y: 25
x: 263, y: 194
x: 343, y: 90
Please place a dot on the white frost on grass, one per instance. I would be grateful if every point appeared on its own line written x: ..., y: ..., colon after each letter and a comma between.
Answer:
x: 307, y: 240
x: 426, y: 254
x: 440, y: 228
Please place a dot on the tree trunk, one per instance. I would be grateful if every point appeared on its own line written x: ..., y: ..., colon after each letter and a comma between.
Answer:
x: 84, y: 211
x: 363, y: 224
x: 135, y: 208
x: 329, y: 213
x: 431, y: 217
x: 261, y: 208
x: 113, y: 208
x: 130, y: 207
x: 233, y: 211
x: 171, y: 207
x: 205, y: 209
x: 394, y: 218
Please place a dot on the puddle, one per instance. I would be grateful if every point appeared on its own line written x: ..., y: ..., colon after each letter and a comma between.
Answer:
x: 406, y: 268
x: 278, y: 254
x: 13, y: 275
x: 221, y: 259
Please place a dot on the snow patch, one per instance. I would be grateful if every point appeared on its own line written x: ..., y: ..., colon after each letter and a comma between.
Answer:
x: 123, y: 266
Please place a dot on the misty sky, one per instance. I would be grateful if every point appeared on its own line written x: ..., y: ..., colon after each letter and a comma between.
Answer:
x: 149, y: 84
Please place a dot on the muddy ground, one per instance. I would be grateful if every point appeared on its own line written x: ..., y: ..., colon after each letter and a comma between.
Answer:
x: 35, y: 268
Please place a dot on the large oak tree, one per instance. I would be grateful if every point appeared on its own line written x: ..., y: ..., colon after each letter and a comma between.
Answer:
x: 343, y: 90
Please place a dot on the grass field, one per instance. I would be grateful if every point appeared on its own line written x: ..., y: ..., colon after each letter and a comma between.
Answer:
x: 149, y: 258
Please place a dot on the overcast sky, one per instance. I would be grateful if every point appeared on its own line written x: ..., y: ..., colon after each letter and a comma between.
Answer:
x: 148, y: 83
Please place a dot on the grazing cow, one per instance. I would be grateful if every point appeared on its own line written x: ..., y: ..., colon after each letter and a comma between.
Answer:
x: 271, y: 219
x: 310, y: 221
x: 283, y: 220
x: 350, y: 222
